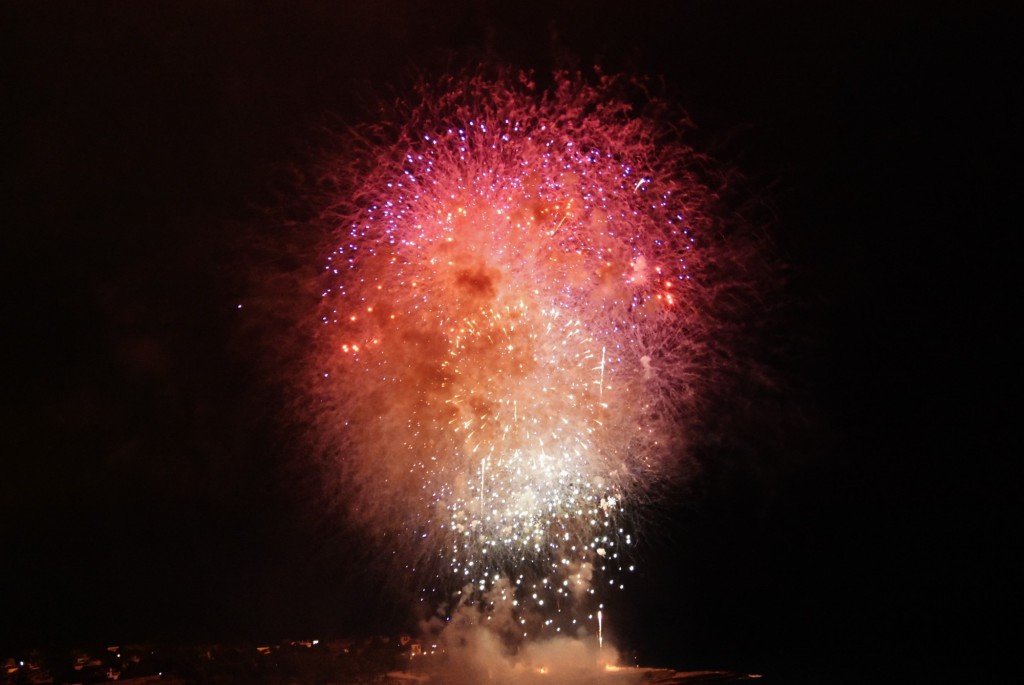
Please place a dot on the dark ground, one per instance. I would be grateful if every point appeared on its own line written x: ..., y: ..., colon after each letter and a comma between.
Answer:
x: 856, y: 526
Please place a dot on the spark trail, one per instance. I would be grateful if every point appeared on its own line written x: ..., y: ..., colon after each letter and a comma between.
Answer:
x: 517, y: 321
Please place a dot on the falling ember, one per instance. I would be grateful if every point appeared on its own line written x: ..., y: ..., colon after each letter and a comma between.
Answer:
x: 515, y: 331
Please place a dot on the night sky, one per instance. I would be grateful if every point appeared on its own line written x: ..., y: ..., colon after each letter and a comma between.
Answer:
x: 854, y: 521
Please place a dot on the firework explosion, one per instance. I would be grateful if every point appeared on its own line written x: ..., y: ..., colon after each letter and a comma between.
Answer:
x: 515, y: 329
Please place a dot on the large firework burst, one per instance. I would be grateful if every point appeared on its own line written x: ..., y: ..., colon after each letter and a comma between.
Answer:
x: 518, y: 317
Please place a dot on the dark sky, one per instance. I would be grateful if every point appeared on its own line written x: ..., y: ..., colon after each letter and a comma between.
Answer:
x: 858, y: 523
